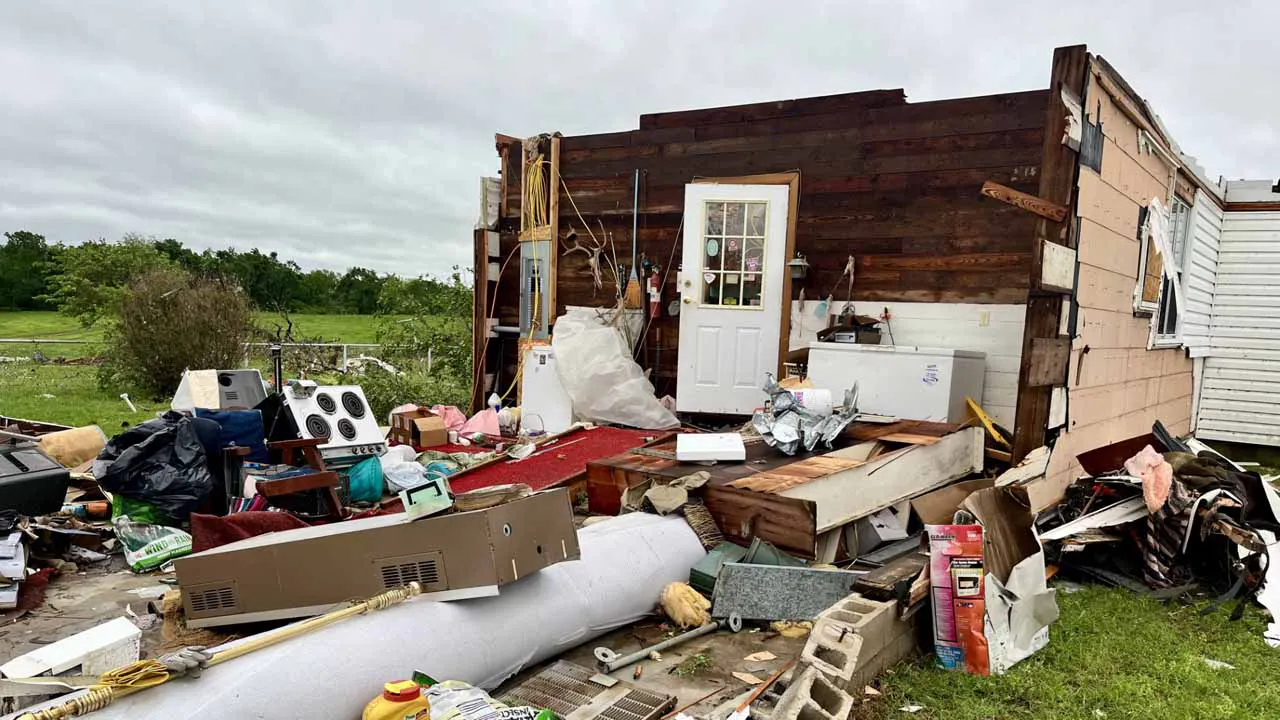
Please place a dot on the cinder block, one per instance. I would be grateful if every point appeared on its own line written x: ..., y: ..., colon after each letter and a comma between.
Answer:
x: 871, y: 620
x: 812, y: 697
x: 904, y: 645
x: 833, y: 648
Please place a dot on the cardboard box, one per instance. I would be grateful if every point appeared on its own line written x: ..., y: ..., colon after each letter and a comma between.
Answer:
x: 298, y: 573
x: 991, y: 604
x: 418, y: 428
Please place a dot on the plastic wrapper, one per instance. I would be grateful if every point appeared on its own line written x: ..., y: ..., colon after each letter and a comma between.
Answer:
x: 455, y: 700
x: 603, y: 381
x: 365, y: 480
x: 787, y: 425
x: 161, y: 462
x: 147, y: 546
x: 404, y: 476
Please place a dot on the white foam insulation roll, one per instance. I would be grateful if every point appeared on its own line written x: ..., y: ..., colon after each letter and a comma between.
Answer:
x: 334, y: 672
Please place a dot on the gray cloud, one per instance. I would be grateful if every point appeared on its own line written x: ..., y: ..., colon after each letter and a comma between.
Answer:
x: 344, y: 134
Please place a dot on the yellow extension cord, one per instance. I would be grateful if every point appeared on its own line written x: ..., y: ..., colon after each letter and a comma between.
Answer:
x: 138, y: 676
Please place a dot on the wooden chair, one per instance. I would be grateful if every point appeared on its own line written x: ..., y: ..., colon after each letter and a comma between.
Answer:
x: 296, y: 453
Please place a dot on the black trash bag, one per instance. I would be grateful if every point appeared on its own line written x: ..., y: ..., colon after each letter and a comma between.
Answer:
x: 161, y: 462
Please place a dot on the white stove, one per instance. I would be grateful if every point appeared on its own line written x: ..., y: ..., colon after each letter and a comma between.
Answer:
x: 339, y: 414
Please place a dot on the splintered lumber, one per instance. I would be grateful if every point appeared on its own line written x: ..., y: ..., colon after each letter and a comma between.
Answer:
x: 885, y: 583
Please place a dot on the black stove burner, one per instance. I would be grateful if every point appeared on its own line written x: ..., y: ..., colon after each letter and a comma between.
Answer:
x: 317, y: 426
x: 326, y: 403
x: 347, y: 429
x: 352, y: 403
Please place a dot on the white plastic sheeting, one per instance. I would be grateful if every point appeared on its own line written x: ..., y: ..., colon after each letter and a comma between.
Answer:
x: 333, y: 673
x: 598, y: 373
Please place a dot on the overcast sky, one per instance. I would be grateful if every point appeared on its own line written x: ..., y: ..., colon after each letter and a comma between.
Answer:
x: 354, y: 133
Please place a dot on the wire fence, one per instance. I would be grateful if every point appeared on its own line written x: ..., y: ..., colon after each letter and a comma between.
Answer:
x: 312, y: 356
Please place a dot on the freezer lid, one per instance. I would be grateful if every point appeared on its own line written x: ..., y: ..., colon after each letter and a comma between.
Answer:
x: 896, y: 350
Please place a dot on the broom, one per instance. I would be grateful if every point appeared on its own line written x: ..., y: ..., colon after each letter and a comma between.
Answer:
x: 144, y: 674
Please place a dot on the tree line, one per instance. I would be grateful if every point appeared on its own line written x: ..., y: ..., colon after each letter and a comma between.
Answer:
x: 83, y: 280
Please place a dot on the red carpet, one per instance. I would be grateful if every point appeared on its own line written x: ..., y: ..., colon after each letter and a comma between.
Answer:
x: 555, y: 462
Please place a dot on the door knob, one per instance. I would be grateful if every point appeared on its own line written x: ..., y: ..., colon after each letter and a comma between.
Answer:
x: 688, y: 301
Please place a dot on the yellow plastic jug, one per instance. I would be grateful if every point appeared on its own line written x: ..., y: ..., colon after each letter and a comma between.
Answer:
x: 400, y: 700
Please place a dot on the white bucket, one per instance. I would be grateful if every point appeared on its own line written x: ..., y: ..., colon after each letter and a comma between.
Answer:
x: 815, y: 400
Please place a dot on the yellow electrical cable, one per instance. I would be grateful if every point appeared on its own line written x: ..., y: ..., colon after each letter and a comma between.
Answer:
x: 143, y: 674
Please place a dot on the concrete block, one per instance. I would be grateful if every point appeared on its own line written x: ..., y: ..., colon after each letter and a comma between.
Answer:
x: 813, y: 697
x: 873, y: 621
x: 832, y: 649
x: 903, y: 646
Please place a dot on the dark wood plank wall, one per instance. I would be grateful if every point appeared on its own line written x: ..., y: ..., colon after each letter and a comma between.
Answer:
x: 895, y: 184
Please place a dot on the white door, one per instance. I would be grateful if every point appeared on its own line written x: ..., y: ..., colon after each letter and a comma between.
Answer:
x: 731, y: 295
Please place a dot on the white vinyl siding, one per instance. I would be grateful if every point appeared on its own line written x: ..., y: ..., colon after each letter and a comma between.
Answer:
x: 1240, y: 395
x: 1199, y: 267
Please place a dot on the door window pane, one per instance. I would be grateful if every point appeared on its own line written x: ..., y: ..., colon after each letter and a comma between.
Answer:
x: 733, y: 242
x: 735, y: 216
x: 751, y: 289
x: 755, y: 219
x: 715, y: 218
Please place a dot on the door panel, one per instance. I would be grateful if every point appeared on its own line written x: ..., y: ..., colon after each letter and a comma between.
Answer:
x: 731, y: 283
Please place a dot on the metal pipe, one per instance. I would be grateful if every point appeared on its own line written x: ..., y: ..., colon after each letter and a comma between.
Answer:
x: 611, y: 661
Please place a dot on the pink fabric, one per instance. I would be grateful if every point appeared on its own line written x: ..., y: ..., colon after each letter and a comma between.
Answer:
x: 1156, y: 474
x: 452, y: 416
x: 485, y: 421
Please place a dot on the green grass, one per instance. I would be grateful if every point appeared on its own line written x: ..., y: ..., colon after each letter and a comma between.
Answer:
x: 1111, y: 655
x: 66, y: 394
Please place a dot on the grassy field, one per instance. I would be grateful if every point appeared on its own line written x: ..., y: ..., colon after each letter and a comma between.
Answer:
x: 69, y: 394
x: 1111, y: 655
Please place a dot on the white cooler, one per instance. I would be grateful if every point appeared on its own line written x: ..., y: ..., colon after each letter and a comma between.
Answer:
x: 909, y: 382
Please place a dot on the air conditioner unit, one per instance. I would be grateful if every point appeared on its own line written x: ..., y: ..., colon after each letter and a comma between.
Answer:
x: 219, y: 390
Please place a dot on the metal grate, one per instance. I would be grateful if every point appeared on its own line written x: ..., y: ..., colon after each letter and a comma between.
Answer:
x: 571, y: 692
x: 424, y: 568
x: 214, y: 599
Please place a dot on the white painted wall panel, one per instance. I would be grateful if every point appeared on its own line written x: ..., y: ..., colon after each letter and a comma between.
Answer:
x: 992, y: 329
x: 1240, y: 390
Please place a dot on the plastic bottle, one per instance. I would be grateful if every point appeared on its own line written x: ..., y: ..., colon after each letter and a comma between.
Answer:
x: 495, y: 402
x: 400, y: 700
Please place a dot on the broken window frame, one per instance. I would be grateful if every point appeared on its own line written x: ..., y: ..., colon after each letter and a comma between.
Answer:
x: 1166, y: 319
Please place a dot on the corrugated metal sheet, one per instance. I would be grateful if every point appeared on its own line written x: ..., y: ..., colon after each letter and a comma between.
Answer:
x: 1200, y: 266
x: 1240, y: 394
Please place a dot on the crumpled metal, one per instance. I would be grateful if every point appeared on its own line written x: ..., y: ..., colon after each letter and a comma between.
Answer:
x: 787, y: 426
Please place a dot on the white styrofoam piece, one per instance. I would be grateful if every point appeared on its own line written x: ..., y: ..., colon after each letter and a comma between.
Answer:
x: 9, y: 545
x: 109, y: 641
x: 626, y: 561
x: 913, y: 383
x: 695, y: 447
x: 15, y: 567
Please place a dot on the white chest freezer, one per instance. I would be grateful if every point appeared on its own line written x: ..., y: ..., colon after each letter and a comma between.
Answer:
x: 909, y: 382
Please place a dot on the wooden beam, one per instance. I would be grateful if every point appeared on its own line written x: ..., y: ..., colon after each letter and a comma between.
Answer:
x: 479, y: 316
x: 1058, y: 170
x: 553, y: 264
x: 847, y: 495
x: 1049, y: 357
x: 1026, y: 201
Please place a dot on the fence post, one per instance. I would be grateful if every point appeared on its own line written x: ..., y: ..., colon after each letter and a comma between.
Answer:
x: 344, y: 358
x: 428, y: 359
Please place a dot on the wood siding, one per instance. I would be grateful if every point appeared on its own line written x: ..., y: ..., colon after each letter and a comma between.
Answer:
x: 895, y: 184
x: 1119, y: 387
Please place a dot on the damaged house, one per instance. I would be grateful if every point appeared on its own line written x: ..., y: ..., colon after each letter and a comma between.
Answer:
x: 1018, y: 229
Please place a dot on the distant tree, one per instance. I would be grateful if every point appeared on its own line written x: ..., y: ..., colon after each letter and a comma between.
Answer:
x: 359, y: 289
x: 317, y: 291
x: 24, y: 270
x: 89, y: 279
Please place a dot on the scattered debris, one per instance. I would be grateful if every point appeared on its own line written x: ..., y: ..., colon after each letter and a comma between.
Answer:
x: 911, y: 708
x: 685, y: 606
x: 747, y: 678
x: 762, y: 656
x: 694, y: 665
x: 1218, y: 664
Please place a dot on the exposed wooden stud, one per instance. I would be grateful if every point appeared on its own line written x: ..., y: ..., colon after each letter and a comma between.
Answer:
x: 1049, y: 357
x: 553, y: 264
x: 479, y: 316
x: 1026, y: 201
x: 1057, y: 185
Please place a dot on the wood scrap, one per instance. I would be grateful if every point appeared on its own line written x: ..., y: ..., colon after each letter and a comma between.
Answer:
x: 893, y: 581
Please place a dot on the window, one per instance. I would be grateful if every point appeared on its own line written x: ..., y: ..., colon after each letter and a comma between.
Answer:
x: 1164, y: 236
x: 733, y: 253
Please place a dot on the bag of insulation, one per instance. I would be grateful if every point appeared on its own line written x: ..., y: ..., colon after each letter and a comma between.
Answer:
x: 603, y: 381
